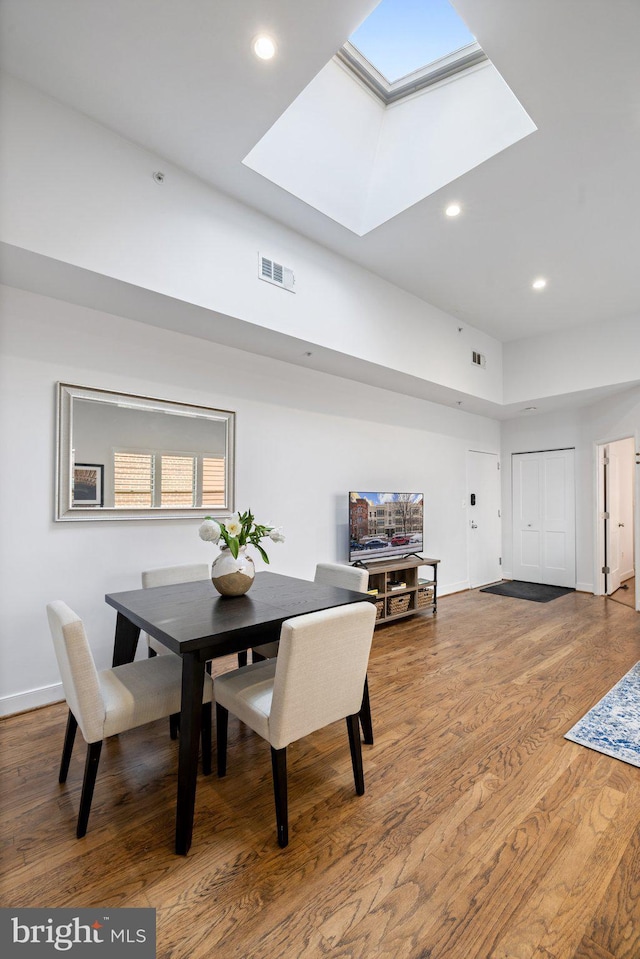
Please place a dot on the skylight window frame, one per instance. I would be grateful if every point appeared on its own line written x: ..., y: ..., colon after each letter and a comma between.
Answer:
x: 441, y: 69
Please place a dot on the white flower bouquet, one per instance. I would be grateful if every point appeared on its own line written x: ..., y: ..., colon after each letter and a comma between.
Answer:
x: 240, y: 530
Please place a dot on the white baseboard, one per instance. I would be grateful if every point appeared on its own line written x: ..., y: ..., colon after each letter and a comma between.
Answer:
x: 452, y: 588
x: 31, y: 699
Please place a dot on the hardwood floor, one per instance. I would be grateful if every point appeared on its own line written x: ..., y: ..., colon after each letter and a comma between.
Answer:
x: 483, y: 833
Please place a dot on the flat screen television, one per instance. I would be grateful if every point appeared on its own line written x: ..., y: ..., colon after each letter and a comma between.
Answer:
x: 384, y: 525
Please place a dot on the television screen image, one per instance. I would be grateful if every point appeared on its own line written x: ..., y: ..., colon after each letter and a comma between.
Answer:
x: 385, y: 525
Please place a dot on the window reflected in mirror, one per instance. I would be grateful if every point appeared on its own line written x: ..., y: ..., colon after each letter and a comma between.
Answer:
x: 167, y: 479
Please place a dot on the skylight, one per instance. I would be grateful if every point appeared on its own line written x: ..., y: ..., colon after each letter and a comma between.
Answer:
x: 400, y: 40
x: 363, y: 159
x: 402, y: 36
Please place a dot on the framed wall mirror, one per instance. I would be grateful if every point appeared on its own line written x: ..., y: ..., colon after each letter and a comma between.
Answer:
x: 122, y: 456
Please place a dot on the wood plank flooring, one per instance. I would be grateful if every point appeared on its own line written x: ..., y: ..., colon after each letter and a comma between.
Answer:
x: 483, y: 833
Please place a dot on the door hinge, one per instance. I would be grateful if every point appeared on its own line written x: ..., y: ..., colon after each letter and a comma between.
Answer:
x: 499, y: 514
x: 498, y: 464
x: 605, y: 460
x: 499, y: 560
x: 606, y: 570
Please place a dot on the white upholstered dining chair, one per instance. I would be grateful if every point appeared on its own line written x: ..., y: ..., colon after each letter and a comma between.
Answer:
x: 316, y: 679
x: 111, y: 701
x: 171, y: 576
x: 328, y: 574
x: 345, y: 577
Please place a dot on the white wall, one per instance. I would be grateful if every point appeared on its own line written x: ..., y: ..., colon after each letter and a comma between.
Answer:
x: 73, y: 191
x: 584, y: 358
x: 608, y: 420
x: 304, y: 439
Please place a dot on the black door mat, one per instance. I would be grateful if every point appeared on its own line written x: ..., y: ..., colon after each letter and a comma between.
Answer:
x: 536, y: 592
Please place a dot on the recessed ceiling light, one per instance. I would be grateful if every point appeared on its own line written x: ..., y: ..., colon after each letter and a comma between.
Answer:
x: 539, y: 284
x: 454, y: 209
x: 264, y: 47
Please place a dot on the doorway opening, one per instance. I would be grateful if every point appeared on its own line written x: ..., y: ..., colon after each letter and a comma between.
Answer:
x: 617, y: 521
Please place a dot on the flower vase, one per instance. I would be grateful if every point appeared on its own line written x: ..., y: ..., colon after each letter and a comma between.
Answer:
x: 231, y: 576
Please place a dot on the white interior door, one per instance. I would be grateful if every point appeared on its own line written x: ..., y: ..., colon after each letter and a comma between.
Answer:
x: 636, y: 515
x: 483, y: 511
x: 544, y: 549
x: 614, y: 521
x: 616, y: 513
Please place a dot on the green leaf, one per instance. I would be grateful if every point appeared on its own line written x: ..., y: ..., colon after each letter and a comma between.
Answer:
x: 262, y: 552
x: 233, y: 546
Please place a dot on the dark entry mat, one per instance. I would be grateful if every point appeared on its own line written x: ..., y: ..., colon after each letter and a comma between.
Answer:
x: 536, y: 592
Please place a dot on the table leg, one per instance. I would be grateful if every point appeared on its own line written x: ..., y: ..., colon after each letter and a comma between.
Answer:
x: 190, y: 725
x: 126, y: 641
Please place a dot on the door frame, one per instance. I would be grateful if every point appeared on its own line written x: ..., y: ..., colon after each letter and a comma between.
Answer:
x: 599, y: 537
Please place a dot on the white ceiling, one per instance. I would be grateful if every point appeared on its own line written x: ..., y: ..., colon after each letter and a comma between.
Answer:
x: 178, y: 77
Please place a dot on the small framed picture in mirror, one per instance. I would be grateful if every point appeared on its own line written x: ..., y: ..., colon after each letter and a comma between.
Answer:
x: 88, y: 484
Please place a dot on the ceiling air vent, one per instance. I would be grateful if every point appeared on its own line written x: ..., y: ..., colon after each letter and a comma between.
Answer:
x: 478, y: 359
x: 276, y: 273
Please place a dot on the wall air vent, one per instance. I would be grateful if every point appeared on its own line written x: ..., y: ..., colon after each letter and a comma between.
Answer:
x: 276, y: 273
x: 478, y: 359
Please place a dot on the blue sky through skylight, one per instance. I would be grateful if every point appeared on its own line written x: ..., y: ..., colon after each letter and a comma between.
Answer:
x: 401, y: 36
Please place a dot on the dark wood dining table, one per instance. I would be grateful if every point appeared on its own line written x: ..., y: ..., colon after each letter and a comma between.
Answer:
x: 192, y: 620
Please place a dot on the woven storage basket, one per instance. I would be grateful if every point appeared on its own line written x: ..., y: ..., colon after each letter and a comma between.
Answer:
x: 379, y: 608
x: 399, y: 604
x: 424, y: 596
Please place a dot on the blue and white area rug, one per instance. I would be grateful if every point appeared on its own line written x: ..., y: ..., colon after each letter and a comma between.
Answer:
x: 613, y: 725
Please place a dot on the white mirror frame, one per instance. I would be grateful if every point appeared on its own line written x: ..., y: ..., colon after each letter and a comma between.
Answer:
x: 65, y: 510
